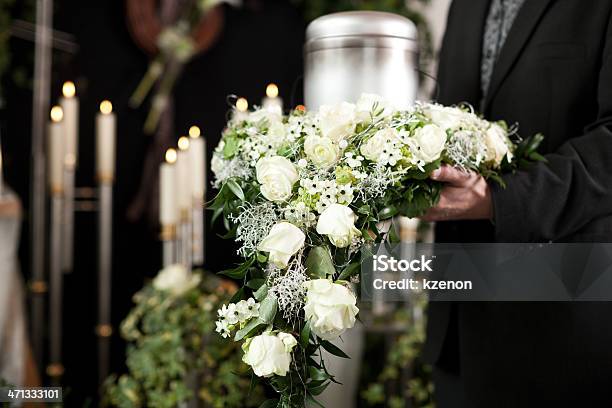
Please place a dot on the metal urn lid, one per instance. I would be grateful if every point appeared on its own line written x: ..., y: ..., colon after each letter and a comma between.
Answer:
x: 361, y: 23
x: 355, y: 52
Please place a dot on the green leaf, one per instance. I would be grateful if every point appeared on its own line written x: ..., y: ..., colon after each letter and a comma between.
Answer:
x: 235, y: 188
x: 261, y: 293
x: 305, y: 335
x: 271, y: 403
x: 350, y: 270
x: 250, y: 327
x: 319, y: 263
x: 332, y: 349
x: 317, y: 374
x: 237, y: 296
x: 255, y: 283
x: 238, y: 272
x: 267, y: 310
x: 388, y: 212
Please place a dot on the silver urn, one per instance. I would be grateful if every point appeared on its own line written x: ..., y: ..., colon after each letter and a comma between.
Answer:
x: 355, y: 52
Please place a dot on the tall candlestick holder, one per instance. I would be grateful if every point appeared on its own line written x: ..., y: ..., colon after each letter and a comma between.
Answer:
x: 168, y: 237
x: 55, y: 368
x: 199, y: 228
x: 105, y: 232
x: 186, y: 239
x: 68, y: 219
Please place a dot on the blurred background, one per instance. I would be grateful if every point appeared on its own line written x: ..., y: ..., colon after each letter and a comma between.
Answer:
x: 106, y: 48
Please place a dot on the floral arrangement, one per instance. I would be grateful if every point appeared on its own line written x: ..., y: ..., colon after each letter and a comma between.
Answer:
x: 172, y: 357
x: 303, y: 194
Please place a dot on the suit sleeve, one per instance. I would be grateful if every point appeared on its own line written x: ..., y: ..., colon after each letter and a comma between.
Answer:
x: 553, y: 200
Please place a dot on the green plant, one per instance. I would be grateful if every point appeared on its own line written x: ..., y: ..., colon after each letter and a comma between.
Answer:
x: 171, y: 352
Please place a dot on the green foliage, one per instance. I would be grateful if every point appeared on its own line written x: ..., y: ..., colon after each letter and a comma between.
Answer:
x: 172, y: 347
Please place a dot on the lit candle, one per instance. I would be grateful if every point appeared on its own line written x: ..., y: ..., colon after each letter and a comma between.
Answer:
x: 106, y: 125
x: 272, y: 102
x: 167, y: 190
x: 70, y: 104
x: 198, y: 163
x: 56, y: 151
x: 184, y: 175
x: 240, y: 112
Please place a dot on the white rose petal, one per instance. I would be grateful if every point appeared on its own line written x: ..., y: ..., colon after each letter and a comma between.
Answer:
x: 277, y: 175
x: 374, y: 148
x: 282, y: 242
x: 429, y: 142
x: 175, y: 279
x: 445, y: 117
x: 322, y: 151
x: 338, y: 223
x: 337, y: 122
x: 330, y: 308
x: 268, y: 354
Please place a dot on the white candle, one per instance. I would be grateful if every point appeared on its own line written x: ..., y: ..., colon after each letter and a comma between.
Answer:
x: 70, y: 104
x: 106, y: 133
x: 272, y: 102
x: 183, y: 177
x: 167, y: 190
x: 240, y: 111
x: 56, y: 145
x: 198, y: 160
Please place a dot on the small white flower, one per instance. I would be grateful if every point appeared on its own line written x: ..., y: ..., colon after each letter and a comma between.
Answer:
x: 330, y: 308
x: 247, y: 309
x: 283, y: 241
x: 302, y: 163
x: 223, y: 328
x: 343, y: 144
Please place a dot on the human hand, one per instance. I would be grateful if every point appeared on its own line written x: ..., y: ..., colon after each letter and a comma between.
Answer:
x: 465, y: 196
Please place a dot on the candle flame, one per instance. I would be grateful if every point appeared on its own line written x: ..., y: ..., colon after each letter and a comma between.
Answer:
x: 183, y: 143
x: 57, y: 114
x: 171, y: 156
x: 194, y: 132
x: 242, y: 104
x: 106, y: 107
x: 68, y: 89
x: 272, y: 91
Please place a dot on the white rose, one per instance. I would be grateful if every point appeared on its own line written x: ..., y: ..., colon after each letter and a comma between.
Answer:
x: 330, y: 308
x: 497, y: 147
x: 277, y: 175
x: 429, y: 142
x: 445, y: 116
x: 322, y: 151
x: 175, y: 279
x: 338, y: 223
x: 366, y: 103
x: 282, y: 242
x: 375, y: 146
x: 337, y: 121
x: 269, y: 354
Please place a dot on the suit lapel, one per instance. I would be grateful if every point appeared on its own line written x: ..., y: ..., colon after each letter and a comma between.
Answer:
x: 522, y: 29
x: 463, y: 52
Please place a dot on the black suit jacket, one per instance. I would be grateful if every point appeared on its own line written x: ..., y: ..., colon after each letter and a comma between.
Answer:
x: 554, y: 75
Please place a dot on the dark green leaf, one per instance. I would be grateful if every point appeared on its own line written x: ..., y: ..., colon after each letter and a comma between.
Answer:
x: 237, y: 296
x: 255, y: 283
x: 332, y: 349
x: 316, y: 390
x: 350, y: 270
x: 239, y: 272
x: 305, y: 335
x: 235, y: 188
x: 271, y: 403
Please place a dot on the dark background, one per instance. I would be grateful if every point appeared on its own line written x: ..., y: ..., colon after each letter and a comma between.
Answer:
x: 260, y: 43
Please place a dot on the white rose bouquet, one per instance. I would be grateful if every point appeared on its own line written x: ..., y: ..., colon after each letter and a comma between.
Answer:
x: 303, y: 194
